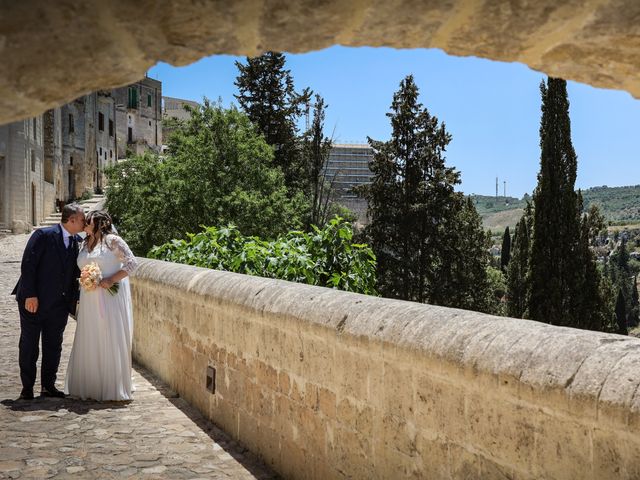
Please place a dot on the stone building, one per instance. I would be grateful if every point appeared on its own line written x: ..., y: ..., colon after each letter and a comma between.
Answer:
x: 174, y: 109
x: 61, y: 155
x: 138, y: 117
x: 30, y: 170
x: 88, y: 142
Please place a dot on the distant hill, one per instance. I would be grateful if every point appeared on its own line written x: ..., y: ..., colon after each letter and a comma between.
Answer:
x: 619, y: 205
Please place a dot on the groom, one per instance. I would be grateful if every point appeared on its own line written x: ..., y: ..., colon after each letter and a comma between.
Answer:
x: 47, y: 293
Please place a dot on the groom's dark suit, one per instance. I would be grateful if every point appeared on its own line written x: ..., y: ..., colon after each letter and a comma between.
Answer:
x: 49, y: 272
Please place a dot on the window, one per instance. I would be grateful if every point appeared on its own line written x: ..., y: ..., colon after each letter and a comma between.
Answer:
x: 149, y: 122
x: 70, y: 160
x: 133, y: 97
x: 71, y: 129
x: 34, y: 129
x: 148, y: 99
x: 101, y: 122
x: 33, y: 160
x: 100, y: 151
x: 110, y: 153
x: 111, y: 128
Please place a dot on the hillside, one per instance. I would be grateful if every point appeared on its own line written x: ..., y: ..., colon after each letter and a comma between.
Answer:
x: 619, y: 205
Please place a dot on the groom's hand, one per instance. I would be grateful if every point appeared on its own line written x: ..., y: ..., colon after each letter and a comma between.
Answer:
x: 31, y: 304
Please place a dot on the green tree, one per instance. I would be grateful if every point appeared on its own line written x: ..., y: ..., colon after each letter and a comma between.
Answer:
x: 621, y: 313
x: 498, y: 289
x: 559, y: 259
x: 634, y: 317
x: 320, y: 188
x: 590, y: 305
x: 217, y: 170
x: 463, y: 273
x: 267, y: 95
x: 518, y: 268
x: 596, y: 223
x: 624, y: 279
x: 428, y: 240
x: 505, y: 252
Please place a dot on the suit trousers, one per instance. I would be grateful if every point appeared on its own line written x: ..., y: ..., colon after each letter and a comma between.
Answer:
x: 50, y: 324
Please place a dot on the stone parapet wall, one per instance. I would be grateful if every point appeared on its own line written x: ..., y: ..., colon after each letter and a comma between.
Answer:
x: 326, y: 384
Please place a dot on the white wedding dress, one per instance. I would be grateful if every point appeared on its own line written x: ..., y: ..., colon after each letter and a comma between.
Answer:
x: 100, y: 362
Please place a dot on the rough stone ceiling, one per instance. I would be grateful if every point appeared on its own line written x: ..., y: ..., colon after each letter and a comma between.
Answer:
x: 54, y: 51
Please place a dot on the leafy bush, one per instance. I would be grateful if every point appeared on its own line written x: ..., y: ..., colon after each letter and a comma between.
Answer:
x: 325, y: 257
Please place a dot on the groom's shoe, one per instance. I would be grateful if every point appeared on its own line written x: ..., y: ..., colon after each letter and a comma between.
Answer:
x: 52, y: 392
x: 26, y: 394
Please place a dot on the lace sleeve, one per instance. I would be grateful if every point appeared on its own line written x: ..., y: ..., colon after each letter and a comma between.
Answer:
x: 120, y: 248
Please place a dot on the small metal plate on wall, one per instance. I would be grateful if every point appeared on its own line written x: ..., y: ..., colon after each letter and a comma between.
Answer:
x: 211, y: 379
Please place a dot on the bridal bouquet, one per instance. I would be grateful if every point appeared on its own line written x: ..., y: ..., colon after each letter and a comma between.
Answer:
x: 90, y: 277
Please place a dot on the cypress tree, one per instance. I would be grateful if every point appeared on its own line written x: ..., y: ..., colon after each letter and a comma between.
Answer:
x: 635, y: 304
x: 518, y: 268
x: 464, y: 259
x: 420, y: 228
x: 505, y: 252
x: 559, y: 259
x: 268, y: 97
x: 623, y: 279
x: 590, y: 305
x: 621, y: 313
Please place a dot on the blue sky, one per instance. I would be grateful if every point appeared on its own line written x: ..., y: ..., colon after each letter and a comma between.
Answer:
x: 492, y: 110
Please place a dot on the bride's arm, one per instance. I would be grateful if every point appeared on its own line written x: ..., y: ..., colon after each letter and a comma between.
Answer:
x: 121, y: 250
x: 115, y: 278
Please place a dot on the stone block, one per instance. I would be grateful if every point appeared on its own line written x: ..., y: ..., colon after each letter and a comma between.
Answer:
x: 352, y: 368
x: 353, y: 454
x: 266, y: 376
x: 562, y: 447
x: 505, y: 429
x: 327, y: 403
x: 311, y: 398
x: 284, y: 382
x: 398, y: 389
x: 440, y: 407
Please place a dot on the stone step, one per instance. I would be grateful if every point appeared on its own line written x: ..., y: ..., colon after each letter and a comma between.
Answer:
x: 55, y: 217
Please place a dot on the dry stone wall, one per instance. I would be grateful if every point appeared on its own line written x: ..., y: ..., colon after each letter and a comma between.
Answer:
x: 326, y: 384
x: 53, y: 52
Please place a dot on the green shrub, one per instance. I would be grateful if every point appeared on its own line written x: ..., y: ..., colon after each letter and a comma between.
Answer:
x: 325, y: 257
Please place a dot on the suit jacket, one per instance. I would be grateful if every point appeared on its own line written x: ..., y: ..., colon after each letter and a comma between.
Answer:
x: 49, y: 271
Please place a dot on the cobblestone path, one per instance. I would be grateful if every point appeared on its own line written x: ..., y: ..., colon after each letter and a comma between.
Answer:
x: 156, y: 436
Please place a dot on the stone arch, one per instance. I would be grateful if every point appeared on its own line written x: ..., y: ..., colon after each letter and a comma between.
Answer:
x: 49, y: 59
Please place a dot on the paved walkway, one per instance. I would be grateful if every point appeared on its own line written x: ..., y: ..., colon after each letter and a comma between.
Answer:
x: 156, y: 436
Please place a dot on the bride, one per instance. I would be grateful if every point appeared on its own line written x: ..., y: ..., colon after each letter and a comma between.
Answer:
x: 100, y: 362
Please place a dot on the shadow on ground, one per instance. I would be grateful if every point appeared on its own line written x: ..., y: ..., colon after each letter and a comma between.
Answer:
x: 238, y: 451
x: 79, y: 407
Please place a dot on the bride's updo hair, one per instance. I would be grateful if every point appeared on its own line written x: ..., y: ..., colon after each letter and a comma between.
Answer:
x: 101, y: 222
